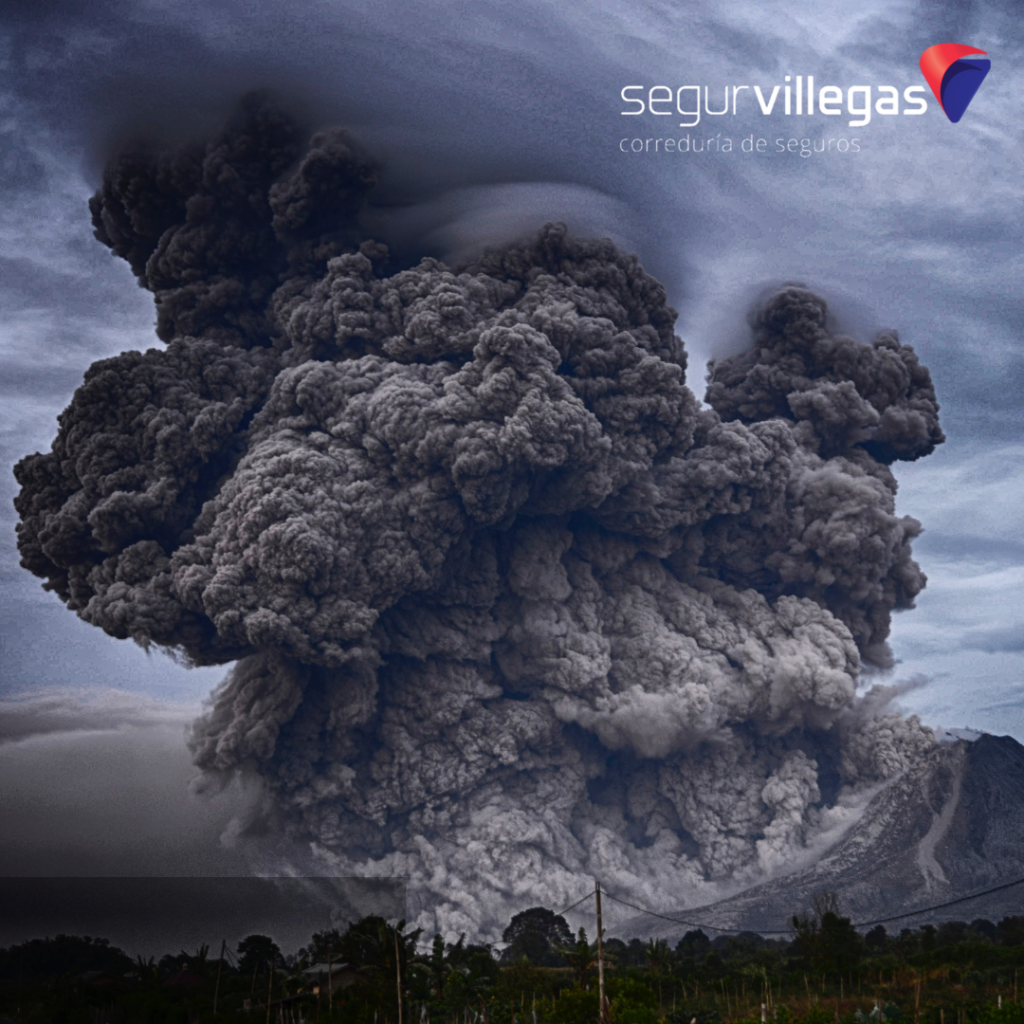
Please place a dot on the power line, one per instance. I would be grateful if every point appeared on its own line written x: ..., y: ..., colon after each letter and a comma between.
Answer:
x: 765, y: 931
x: 787, y: 931
x: 939, y: 906
x: 576, y: 904
x: 572, y: 906
x: 691, y: 924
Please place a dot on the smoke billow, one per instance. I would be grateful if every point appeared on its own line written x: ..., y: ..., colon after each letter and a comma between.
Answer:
x: 508, y: 606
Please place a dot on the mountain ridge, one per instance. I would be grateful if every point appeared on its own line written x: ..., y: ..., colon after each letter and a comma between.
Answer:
x: 951, y: 826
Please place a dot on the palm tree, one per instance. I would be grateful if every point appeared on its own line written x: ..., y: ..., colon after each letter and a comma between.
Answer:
x: 581, y: 957
x: 658, y: 956
x: 659, y: 960
x: 385, y: 951
x: 372, y: 944
x: 197, y: 961
x: 149, y: 973
x: 438, y: 964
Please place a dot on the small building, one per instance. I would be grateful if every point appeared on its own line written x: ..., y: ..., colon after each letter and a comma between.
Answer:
x: 341, y: 976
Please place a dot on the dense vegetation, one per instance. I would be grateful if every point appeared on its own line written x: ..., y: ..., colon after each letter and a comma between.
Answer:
x: 825, y: 972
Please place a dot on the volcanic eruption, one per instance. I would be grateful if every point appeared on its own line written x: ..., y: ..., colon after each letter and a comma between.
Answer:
x: 507, y: 606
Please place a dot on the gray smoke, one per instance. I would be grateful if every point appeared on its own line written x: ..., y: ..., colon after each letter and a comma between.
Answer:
x: 508, y: 606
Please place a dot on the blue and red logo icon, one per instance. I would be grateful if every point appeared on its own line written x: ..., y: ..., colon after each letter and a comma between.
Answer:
x: 954, y: 73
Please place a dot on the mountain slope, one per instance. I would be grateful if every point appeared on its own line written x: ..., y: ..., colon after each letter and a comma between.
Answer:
x: 949, y: 827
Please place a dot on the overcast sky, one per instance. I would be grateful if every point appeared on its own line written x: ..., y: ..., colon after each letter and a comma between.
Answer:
x: 491, y: 118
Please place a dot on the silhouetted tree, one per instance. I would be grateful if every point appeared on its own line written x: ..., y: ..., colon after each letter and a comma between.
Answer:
x: 258, y: 953
x: 324, y: 947
x: 63, y: 954
x: 695, y: 945
x: 374, y: 945
x: 437, y: 965
x: 535, y: 934
x: 951, y: 933
x: 825, y: 939
x: 1010, y: 931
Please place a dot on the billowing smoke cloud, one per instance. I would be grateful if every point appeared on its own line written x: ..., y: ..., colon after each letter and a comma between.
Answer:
x: 508, y: 606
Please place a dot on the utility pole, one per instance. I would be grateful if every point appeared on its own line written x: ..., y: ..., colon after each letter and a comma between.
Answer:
x: 330, y: 975
x: 398, y: 977
x: 220, y: 964
x: 601, y: 1014
x: 270, y: 986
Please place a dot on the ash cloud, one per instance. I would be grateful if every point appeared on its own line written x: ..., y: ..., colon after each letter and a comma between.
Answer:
x: 508, y: 606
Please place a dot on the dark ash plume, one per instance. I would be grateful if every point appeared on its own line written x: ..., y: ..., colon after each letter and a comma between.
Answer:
x: 507, y: 605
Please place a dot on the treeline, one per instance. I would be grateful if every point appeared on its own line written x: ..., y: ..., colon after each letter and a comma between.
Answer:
x: 374, y: 972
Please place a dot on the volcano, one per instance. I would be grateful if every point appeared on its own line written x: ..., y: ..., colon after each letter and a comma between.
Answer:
x: 949, y: 828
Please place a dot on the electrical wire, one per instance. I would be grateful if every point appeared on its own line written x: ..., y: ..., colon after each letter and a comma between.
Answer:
x: 576, y: 904
x: 788, y: 931
x: 689, y: 924
x: 765, y: 931
x: 939, y: 906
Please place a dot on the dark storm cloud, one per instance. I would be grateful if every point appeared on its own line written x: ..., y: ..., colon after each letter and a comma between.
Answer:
x: 472, y: 539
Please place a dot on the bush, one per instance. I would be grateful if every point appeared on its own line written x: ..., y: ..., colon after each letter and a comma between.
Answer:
x: 817, y: 1015
x: 630, y: 991
x: 574, y: 1006
x: 631, y: 1013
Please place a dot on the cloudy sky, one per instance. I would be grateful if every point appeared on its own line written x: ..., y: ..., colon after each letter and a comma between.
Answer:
x: 489, y: 119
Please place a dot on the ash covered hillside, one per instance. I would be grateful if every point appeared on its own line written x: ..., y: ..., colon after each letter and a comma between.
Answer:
x: 951, y: 826
x: 508, y: 608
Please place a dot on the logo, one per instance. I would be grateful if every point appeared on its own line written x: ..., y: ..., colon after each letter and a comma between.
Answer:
x: 953, y: 77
